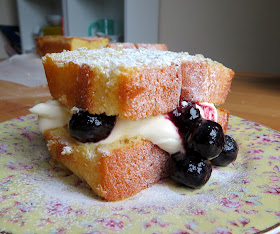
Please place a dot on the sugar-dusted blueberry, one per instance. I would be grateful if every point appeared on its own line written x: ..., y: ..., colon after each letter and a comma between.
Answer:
x: 86, y: 127
x: 206, y: 137
x: 184, y: 115
x: 228, y: 154
x: 190, y: 169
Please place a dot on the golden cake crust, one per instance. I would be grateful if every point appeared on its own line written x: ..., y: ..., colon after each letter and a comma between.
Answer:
x: 223, y: 116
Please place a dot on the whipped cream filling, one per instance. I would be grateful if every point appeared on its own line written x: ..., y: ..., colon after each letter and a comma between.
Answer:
x: 51, y: 114
x: 158, y: 129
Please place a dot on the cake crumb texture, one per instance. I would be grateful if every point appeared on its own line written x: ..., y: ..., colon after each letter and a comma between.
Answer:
x: 205, y: 81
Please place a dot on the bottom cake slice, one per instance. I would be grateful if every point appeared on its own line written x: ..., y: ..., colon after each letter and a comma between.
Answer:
x: 118, y: 170
x: 113, y: 171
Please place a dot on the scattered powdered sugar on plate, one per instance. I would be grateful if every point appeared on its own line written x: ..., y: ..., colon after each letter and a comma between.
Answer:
x: 112, y: 59
x: 61, y: 184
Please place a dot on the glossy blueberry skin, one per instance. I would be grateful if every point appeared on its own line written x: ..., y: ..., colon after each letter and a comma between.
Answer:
x: 205, y: 137
x: 184, y: 116
x: 228, y: 154
x: 191, y: 170
x: 86, y: 127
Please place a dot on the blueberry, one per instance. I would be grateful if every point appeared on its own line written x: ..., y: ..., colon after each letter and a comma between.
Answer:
x: 205, y: 137
x: 228, y: 154
x: 184, y: 116
x: 190, y: 169
x: 86, y: 127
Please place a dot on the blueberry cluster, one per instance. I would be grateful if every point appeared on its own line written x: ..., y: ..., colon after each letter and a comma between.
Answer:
x: 204, y: 144
x: 204, y: 141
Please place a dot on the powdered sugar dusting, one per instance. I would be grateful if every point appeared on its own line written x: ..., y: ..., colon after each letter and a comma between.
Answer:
x: 164, y: 194
x: 67, y: 150
x: 108, y: 59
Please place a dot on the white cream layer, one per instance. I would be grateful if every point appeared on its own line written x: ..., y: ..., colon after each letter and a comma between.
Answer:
x: 159, y: 130
x: 51, y: 114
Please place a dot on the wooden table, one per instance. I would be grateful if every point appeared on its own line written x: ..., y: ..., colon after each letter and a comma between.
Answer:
x: 253, y: 96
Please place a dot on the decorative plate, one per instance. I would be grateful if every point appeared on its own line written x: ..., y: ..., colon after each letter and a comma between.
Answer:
x: 37, y: 197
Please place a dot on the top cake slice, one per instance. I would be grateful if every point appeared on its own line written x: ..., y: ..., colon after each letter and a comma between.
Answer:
x: 133, y: 83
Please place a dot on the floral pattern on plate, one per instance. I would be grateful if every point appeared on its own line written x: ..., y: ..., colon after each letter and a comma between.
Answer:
x: 42, y: 197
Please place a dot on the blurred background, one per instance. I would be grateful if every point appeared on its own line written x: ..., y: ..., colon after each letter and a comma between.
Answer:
x: 242, y: 34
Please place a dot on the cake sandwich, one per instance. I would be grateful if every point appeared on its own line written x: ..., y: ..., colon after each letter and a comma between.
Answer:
x: 122, y: 119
